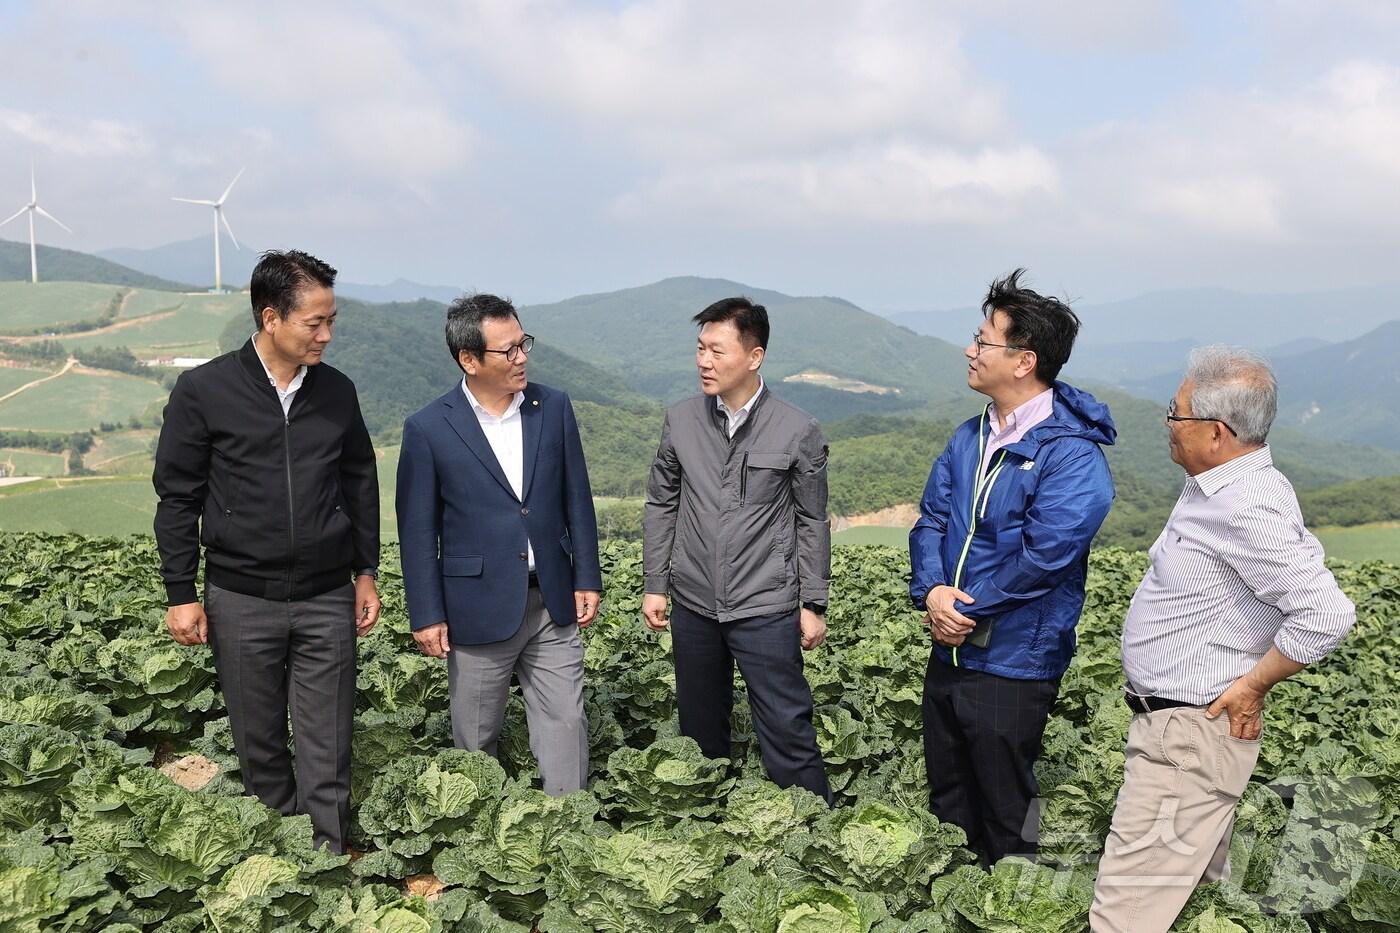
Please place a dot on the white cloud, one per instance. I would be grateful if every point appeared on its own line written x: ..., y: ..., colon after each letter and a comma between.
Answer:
x: 684, y: 77
x: 896, y: 184
x: 1093, y: 26
x: 798, y: 111
x: 1353, y: 112
x: 1265, y: 165
x: 352, y: 78
x: 74, y: 136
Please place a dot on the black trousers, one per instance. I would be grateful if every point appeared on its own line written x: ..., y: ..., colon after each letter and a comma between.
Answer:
x: 982, y: 735
x: 272, y: 656
x: 768, y: 650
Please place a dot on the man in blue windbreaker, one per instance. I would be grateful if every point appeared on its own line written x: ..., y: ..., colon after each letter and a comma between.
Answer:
x: 999, y: 556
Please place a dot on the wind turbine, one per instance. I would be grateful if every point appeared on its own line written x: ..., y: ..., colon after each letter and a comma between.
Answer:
x: 218, y: 207
x: 33, y: 208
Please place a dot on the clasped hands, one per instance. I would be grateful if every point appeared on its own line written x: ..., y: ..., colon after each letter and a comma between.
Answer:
x: 949, y: 627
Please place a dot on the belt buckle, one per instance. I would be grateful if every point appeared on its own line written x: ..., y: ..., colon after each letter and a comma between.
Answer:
x: 1138, y: 704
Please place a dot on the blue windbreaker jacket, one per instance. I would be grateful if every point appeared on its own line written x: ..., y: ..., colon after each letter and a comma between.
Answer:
x: 1017, y: 540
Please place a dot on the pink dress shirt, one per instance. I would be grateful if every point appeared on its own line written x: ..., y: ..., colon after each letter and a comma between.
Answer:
x: 1017, y: 424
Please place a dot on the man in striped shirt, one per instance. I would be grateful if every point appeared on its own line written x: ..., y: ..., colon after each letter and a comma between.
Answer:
x: 1236, y: 599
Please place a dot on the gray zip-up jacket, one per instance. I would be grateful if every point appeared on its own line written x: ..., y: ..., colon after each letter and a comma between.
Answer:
x: 738, y: 528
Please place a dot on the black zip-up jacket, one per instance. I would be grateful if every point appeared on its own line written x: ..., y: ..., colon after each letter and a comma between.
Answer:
x: 286, y: 508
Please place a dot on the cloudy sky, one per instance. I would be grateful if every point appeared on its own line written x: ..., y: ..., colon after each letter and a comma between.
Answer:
x: 895, y: 153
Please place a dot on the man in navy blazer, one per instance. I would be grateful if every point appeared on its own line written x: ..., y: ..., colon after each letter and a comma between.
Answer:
x: 499, y: 543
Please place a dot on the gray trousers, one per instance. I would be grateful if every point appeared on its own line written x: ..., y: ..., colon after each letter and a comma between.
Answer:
x: 548, y: 661
x: 271, y: 656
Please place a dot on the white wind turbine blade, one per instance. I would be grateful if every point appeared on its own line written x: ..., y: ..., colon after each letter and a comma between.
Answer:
x: 41, y: 211
x: 230, y: 231
x: 194, y: 201
x: 33, y: 188
x: 224, y: 197
x: 14, y: 215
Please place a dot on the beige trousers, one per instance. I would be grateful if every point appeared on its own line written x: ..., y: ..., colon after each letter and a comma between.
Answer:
x: 1171, y: 826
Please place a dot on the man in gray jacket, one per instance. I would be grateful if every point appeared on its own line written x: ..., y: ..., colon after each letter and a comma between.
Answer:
x: 737, y: 533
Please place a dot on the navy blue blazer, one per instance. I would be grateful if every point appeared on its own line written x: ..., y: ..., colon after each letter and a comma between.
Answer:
x: 463, y: 531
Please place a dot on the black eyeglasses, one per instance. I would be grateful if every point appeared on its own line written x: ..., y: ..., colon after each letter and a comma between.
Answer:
x: 1173, y: 416
x: 513, y: 351
x: 982, y: 345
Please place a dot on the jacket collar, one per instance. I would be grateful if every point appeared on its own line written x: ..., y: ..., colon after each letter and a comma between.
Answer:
x: 1076, y: 413
x: 721, y: 421
x: 1217, y: 478
x: 460, y: 416
x: 253, y: 366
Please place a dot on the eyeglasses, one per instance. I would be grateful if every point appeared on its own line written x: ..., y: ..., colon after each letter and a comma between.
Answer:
x: 982, y: 345
x: 1173, y: 416
x: 512, y: 352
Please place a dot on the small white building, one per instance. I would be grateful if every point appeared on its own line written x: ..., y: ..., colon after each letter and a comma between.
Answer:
x: 177, y: 362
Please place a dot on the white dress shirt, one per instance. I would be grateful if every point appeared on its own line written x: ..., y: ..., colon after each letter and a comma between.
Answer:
x: 506, y: 435
x: 286, y: 395
x: 1233, y: 573
x: 734, y: 420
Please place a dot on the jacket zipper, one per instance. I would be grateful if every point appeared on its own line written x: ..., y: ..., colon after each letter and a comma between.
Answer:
x: 291, y: 509
x: 981, y: 486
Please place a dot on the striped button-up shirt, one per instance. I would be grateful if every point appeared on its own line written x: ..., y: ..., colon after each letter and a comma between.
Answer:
x: 1233, y: 573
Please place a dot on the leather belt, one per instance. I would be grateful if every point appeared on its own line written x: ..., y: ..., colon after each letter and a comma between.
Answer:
x: 534, y: 581
x: 1152, y: 704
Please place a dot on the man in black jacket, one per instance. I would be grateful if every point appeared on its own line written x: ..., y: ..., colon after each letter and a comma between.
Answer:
x: 264, y: 459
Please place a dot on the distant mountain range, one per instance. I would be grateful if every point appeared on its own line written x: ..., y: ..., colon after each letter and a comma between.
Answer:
x: 1200, y: 316
x: 1337, y: 353
x: 1342, y: 391
x: 66, y: 265
x: 193, y: 261
x: 848, y: 360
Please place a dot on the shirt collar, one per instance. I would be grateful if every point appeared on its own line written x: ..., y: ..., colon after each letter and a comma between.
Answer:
x: 1037, y: 408
x: 291, y: 386
x: 1217, y: 478
x: 511, y: 409
x: 747, y: 406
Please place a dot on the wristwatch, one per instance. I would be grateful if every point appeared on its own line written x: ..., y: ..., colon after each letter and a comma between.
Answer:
x: 818, y: 608
x: 372, y: 572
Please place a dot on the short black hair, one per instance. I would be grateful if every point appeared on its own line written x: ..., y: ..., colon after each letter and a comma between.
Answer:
x: 464, y: 317
x: 279, y: 279
x: 1036, y: 322
x: 749, y: 319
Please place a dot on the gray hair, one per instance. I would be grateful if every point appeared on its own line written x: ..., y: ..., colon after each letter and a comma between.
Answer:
x: 1235, y: 386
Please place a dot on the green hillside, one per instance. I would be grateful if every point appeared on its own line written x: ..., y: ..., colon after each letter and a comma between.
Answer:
x: 169, y: 325
x: 1345, y: 391
x: 26, y: 308
x: 14, y: 376
x: 87, y: 506
x: 20, y: 461
x: 398, y: 358
x: 1358, y: 503
x: 1377, y: 541
x: 647, y: 333
x: 81, y: 399
x: 65, y: 265
x: 82, y: 315
x: 888, y: 397
x: 122, y: 452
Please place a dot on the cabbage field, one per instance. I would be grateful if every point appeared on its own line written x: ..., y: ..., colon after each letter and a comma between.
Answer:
x: 121, y: 807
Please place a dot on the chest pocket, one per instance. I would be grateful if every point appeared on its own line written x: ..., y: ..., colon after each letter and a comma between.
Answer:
x: 765, y: 475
